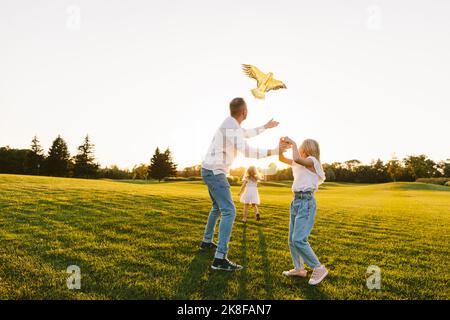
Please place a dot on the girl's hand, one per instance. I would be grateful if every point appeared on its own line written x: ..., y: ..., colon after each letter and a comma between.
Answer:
x: 288, y: 140
x: 282, y: 147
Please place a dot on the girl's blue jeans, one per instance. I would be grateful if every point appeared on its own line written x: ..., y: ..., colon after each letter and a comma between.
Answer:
x: 303, y: 212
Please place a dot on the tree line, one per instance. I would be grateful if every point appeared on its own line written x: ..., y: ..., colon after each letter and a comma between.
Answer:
x: 59, y: 163
x: 410, y: 168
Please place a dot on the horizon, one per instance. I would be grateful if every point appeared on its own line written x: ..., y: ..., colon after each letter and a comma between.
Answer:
x: 366, y: 79
x: 275, y: 158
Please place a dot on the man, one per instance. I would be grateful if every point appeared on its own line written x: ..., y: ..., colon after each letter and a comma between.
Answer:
x: 228, y: 141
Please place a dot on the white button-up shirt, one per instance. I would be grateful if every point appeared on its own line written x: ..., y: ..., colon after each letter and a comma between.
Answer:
x: 227, y: 142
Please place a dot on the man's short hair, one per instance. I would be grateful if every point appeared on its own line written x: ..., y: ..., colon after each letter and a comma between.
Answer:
x: 236, y: 106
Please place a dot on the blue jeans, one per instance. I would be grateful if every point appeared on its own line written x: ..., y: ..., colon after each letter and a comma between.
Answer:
x: 222, y: 204
x: 303, y: 212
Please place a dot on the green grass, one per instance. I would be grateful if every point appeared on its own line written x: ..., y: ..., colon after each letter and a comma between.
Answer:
x: 139, y: 241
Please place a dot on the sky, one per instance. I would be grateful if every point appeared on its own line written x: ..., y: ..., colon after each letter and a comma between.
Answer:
x: 367, y: 79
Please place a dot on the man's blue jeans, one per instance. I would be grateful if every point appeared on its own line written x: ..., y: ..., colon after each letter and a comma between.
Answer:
x: 303, y: 212
x: 222, y: 204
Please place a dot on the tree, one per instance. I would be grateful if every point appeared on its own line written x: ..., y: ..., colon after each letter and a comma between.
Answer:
x: 171, y: 166
x: 444, y: 168
x: 113, y: 172
x: 35, y: 158
x: 329, y: 172
x: 379, y: 170
x: 85, y: 167
x: 12, y: 160
x: 140, y: 172
x: 394, y: 169
x: 162, y: 165
x: 352, y: 164
x: 194, y: 171
x: 420, y: 166
x: 58, y: 160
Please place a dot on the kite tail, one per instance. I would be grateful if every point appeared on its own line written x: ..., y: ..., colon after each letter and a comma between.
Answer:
x: 258, y: 94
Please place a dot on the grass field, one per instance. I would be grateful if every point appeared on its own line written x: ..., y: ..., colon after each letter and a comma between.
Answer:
x: 139, y: 241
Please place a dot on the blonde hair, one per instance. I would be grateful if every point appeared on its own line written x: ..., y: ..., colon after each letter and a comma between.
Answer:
x: 252, y: 174
x: 311, y: 148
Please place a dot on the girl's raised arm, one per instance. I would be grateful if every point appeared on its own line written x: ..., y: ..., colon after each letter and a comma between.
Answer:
x: 297, y: 158
x: 283, y: 159
x: 308, y: 163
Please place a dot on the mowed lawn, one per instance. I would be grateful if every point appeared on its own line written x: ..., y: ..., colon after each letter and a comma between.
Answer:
x: 139, y: 241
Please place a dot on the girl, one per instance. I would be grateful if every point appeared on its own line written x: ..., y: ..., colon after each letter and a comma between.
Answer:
x: 308, y: 174
x: 250, y: 195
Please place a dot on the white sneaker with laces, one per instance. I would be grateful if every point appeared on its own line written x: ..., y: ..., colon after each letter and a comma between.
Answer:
x: 318, y: 275
x: 295, y: 273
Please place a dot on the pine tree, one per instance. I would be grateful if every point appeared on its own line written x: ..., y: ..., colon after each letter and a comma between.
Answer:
x: 35, y: 158
x: 162, y: 165
x: 170, y: 165
x: 85, y: 167
x: 58, y: 160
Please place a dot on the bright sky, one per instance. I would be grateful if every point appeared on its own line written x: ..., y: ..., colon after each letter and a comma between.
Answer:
x: 367, y: 79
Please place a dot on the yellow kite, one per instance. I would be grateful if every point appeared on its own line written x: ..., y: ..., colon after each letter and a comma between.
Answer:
x: 265, y: 82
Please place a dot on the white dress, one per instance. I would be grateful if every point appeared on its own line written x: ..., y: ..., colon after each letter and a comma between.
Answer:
x: 251, y: 194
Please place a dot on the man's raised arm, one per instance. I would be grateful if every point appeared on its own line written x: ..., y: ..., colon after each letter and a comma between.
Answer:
x: 248, y: 151
x: 250, y: 133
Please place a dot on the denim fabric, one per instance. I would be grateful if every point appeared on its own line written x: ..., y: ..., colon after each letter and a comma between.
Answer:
x: 222, y: 204
x: 303, y: 212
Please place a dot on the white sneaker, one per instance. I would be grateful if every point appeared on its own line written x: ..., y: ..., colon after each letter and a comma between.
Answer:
x: 318, y: 275
x: 295, y: 273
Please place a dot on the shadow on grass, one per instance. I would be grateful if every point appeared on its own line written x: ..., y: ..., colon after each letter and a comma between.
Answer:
x: 193, y: 275
x: 244, y: 260
x: 265, y: 263
x: 201, y: 282
x: 310, y: 292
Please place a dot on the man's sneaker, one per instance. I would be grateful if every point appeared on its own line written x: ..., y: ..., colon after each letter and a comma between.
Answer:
x: 318, y: 275
x: 225, y: 264
x: 208, y: 245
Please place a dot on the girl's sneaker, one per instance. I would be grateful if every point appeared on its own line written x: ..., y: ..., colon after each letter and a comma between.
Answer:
x: 318, y: 275
x: 258, y: 216
x: 295, y: 273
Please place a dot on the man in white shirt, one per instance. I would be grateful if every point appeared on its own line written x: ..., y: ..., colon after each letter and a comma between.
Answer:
x: 227, y: 142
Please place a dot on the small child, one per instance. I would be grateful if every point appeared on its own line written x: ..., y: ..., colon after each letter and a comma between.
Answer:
x: 308, y: 174
x: 250, y: 196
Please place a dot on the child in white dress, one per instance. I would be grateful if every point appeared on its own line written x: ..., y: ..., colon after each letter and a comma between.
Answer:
x: 249, y: 192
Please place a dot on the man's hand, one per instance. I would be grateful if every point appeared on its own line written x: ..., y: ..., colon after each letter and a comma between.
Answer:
x: 271, y: 124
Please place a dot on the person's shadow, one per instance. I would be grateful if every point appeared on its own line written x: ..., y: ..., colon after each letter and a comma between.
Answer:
x: 244, y: 260
x: 200, y: 281
x: 265, y: 263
